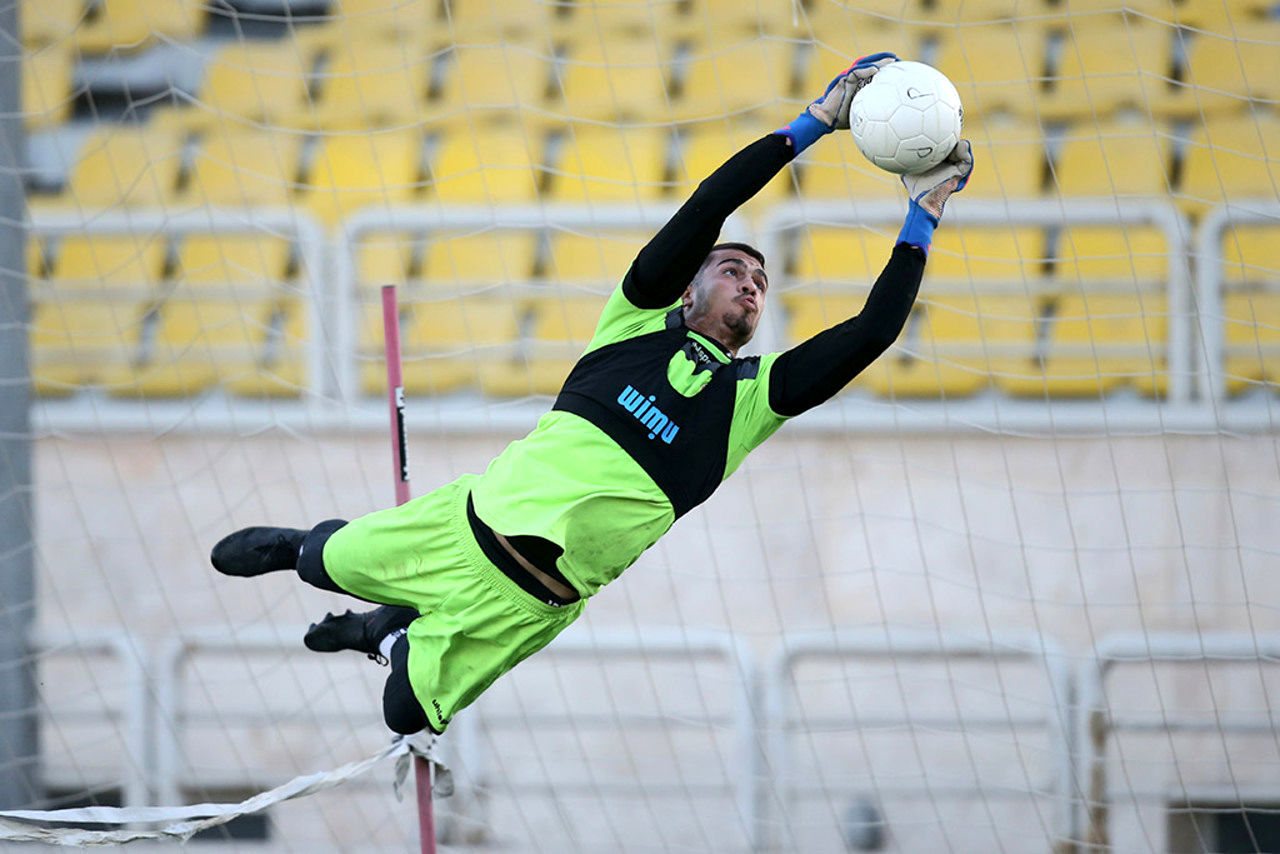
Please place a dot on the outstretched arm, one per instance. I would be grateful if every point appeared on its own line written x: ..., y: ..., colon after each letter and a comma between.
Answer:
x: 817, y: 369
x: 667, y: 264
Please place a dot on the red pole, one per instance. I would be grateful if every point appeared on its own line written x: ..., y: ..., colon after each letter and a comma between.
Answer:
x: 399, y: 458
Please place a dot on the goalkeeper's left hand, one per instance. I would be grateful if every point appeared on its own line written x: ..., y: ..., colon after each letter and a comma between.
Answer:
x: 831, y: 110
x: 929, y: 191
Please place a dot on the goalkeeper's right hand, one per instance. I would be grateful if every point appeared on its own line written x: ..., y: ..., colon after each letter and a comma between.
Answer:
x: 929, y: 191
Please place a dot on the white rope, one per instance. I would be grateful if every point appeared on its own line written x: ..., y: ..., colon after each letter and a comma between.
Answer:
x: 187, y: 820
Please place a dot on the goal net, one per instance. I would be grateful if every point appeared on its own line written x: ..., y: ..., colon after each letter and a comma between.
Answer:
x: 1012, y: 589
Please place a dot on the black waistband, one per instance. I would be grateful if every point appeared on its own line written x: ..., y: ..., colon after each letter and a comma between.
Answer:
x: 510, y: 567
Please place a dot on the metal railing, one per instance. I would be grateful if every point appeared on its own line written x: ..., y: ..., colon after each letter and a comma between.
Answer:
x: 897, y: 645
x: 1098, y: 721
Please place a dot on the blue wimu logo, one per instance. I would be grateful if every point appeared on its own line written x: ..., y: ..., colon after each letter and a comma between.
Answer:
x: 647, y: 414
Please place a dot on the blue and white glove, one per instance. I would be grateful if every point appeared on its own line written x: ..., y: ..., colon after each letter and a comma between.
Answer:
x: 928, y: 193
x: 831, y: 111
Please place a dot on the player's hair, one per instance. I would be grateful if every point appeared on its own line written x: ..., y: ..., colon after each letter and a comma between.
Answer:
x: 741, y: 247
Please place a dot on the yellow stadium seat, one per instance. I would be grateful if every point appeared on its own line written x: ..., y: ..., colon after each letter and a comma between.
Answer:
x: 1009, y: 160
x: 721, y: 78
x: 614, y: 79
x: 362, y: 19
x: 500, y: 163
x: 623, y: 21
x: 475, y: 263
x: 494, y: 77
x: 448, y: 343
x: 1114, y: 255
x: 257, y: 82
x: 1108, y: 66
x: 1114, y: 160
x: 976, y: 11
x: 841, y: 255
x: 1227, y: 71
x: 996, y: 67
x: 89, y: 315
x: 385, y: 258
x: 125, y: 166
x: 50, y: 21
x: 977, y: 255
x: 236, y: 168
x: 223, y: 322
x: 47, y: 76
x: 375, y: 81
x: 1218, y: 16
x: 471, y: 20
x: 354, y: 171
x: 1251, y: 255
x: 562, y: 326
x: 1006, y: 325
x: 836, y: 169
x: 1252, y: 339
x: 596, y: 262
x: 1092, y: 343
x: 132, y: 24
x: 610, y: 164
x: 747, y: 16
x: 1230, y: 158
x: 705, y: 147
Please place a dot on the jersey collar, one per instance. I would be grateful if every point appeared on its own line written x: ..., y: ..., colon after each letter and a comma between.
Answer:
x: 713, y: 348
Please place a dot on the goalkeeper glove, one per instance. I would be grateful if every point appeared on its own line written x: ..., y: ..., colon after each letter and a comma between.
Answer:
x: 928, y: 192
x: 831, y: 111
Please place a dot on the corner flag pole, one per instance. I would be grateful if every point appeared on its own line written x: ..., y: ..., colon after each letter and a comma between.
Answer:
x: 399, y: 458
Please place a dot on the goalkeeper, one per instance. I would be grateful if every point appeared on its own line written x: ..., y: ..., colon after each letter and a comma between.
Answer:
x: 484, y: 571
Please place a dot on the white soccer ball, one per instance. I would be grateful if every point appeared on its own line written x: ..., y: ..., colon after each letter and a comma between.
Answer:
x: 908, y: 118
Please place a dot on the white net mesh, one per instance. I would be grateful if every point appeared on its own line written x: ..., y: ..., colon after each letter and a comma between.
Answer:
x: 1010, y: 591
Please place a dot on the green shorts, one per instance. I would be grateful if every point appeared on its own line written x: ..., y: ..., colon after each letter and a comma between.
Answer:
x: 476, y: 623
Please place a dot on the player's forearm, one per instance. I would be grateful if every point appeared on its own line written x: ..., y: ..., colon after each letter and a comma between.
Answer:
x: 669, y: 261
x: 817, y: 369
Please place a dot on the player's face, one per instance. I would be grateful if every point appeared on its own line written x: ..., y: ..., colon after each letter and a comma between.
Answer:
x: 727, y: 297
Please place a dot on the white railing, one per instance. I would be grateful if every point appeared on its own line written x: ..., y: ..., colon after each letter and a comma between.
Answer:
x: 1098, y: 721
x: 900, y: 646
x: 1211, y: 365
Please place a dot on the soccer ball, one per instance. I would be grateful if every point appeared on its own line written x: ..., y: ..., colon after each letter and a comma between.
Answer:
x: 907, y: 119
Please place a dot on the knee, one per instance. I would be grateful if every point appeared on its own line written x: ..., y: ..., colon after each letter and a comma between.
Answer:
x: 400, y: 707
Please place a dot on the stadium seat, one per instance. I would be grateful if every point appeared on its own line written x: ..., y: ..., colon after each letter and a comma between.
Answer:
x: 125, y: 166
x: 47, y: 75
x: 621, y: 22
x: 357, y: 170
x: 367, y: 19
x: 996, y: 67
x: 592, y: 262
x: 1105, y: 67
x: 494, y: 78
x: 1252, y: 339
x: 461, y: 310
x: 840, y: 256
x: 1092, y: 342
x: 1231, y: 158
x: 257, y: 82
x: 610, y: 164
x: 1010, y: 156
x: 834, y: 168
x: 561, y: 328
x: 126, y: 25
x: 226, y: 321
x: 614, y: 79
x: 1114, y: 160
x: 499, y: 20
x: 378, y: 82
x: 977, y: 255
x: 45, y: 22
x: 1233, y: 16
x: 1251, y: 306
x: 747, y: 16
x: 718, y: 79
x: 238, y: 168
x: 488, y: 163
x: 1111, y: 255
x: 89, y: 315
x: 1227, y: 71
x: 386, y: 258
x: 705, y: 147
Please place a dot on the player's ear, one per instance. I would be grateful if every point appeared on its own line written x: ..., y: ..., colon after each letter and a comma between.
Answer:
x: 686, y: 299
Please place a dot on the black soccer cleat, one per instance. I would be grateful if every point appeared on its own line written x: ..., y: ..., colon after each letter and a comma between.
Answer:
x: 360, y: 632
x: 255, y: 551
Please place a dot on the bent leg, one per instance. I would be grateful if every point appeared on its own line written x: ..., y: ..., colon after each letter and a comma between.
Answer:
x: 311, y: 556
x: 400, y: 707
